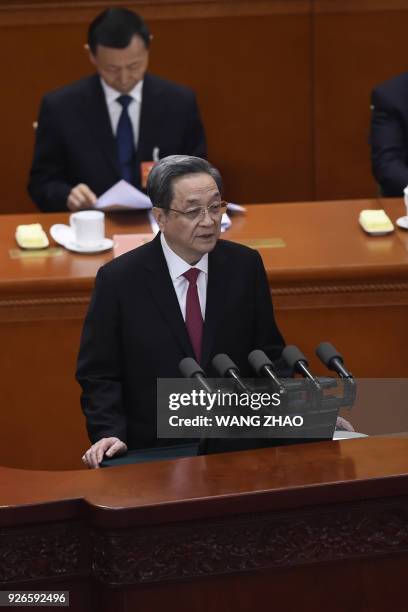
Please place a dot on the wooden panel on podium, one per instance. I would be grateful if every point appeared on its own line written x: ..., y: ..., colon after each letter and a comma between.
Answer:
x: 317, y: 526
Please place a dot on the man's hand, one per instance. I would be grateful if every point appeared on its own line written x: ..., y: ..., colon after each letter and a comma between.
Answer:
x: 105, y: 446
x: 344, y: 425
x: 81, y: 197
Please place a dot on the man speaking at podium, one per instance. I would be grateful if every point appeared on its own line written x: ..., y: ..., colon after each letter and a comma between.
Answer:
x: 184, y: 294
x: 109, y: 126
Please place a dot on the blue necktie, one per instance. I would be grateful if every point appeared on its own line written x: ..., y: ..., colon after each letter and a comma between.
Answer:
x: 125, y: 141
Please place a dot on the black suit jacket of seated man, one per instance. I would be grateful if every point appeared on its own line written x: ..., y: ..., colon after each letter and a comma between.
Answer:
x: 389, y: 135
x: 134, y: 333
x: 75, y: 142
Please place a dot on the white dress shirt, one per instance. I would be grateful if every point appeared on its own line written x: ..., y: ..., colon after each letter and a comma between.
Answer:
x: 115, y: 108
x: 177, y: 267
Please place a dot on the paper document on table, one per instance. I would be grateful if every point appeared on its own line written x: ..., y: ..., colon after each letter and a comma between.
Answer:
x: 225, y: 222
x: 123, y: 196
x: 153, y: 222
x: 235, y: 207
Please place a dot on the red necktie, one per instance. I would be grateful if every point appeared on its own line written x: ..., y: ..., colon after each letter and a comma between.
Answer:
x: 194, y: 319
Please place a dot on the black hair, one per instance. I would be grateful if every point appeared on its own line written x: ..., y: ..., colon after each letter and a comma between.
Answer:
x: 115, y: 27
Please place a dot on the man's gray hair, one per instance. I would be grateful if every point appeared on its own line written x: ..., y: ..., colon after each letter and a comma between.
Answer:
x: 161, y: 177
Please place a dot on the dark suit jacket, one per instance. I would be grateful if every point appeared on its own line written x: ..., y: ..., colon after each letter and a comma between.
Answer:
x: 75, y: 143
x: 134, y: 333
x: 389, y: 135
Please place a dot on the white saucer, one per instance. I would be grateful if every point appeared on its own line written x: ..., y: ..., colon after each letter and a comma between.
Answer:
x: 64, y: 235
x: 374, y: 233
x: 402, y: 222
x: 105, y: 245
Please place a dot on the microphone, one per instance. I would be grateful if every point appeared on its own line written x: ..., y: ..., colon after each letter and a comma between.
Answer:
x: 264, y: 367
x: 297, y: 361
x: 190, y: 369
x: 226, y: 368
x: 332, y: 359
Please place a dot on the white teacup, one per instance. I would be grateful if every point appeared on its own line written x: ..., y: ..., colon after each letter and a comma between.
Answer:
x: 88, y: 227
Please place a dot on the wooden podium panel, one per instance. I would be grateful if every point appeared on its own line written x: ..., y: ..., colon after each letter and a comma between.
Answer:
x: 329, y: 282
x: 312, y: 527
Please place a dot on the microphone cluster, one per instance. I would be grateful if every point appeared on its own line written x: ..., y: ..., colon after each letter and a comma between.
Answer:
x: 297, y: 396
x: 265, y: 368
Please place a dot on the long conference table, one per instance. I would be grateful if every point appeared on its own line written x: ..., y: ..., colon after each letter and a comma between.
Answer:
x: 329, y: 281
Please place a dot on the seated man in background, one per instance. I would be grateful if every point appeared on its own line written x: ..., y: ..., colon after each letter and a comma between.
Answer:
x: 185, y: 294
x: 389, y: 135
x: 100, y: 129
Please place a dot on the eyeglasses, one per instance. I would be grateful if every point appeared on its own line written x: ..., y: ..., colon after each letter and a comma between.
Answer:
x: 194, y: 214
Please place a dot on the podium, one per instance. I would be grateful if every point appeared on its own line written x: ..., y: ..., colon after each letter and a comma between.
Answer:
x: 312, y: 527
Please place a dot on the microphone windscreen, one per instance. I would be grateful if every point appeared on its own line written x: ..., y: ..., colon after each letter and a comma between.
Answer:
x: 291, y: 354
x: 258, y: 360
x: 326, y: 352
x: 189, y: 367
x: 222, y: 363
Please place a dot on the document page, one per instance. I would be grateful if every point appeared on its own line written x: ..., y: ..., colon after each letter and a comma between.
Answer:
x: 123, y: 196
